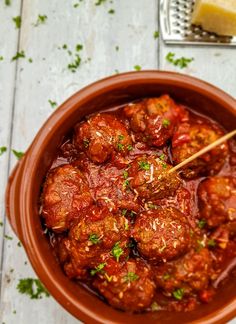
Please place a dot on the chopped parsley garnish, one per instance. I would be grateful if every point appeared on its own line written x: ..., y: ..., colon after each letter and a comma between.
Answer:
x: 125, y: 174
x: 76, y: 5
x: 166, y: 276
x: 162, y: 157
x: 30, y: 60
x: 144, y: 165
x: 75, y: 64
x: 41, y: 20
x: 124, y: 212
x: 164, y: 165
x: 156, y: 34
x: 64, y: 46
x: 52, y: 103
x: 17, y: 21
x: 152, y: 206
x: 181, y: 62
x: 1, y: 223
x: 132, y: 213
x: 1, y: 58
x: 79, y: 47
x: 111, y: 11
x: 117, y: 251
x: 126, y: 225
x: 117, y: 48
x: 19, y: 244
x: 165, y: 123
x: 155, y: 307
x: 178, y: 294
x: 126, y: 183
x: 131, y: 276
x: 8, y: 237
x: 137, y: 68
x: 129, y: 147
x: 86, y: 143
x: 94, y: 238
x: 3, y: 149
x: 97, y: 269
x: 120, y: 147
x: 18, y: 154
x: 99, y: 2
x: 7, y: 2
x: 18, y: 55
x: 120, y: 137
x: 201, y: 223
x: 32, y: 287
x: 211, y: 243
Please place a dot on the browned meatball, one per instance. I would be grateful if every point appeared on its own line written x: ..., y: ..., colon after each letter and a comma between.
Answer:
x: 65, y: 195
x: 189, y: 274
x: 149, y: 178
x: 217, y: 200
x: 128, y: 287
x: 162, y: 234
x: 191, y: 138
x: 101, y: 136
x: 153, y: 120
x: 92, y: 239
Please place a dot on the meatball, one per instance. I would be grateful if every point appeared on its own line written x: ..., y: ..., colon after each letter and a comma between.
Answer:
x: 190, y: 138
x: 190, y: 274
x: 162, y: 234
x: 217, y: 200
x: 101, y: 136
x: 153, y: 120
x: 92, y: 239
x: 149, y: 178
x: 65, y: 195
x: 128, y: 287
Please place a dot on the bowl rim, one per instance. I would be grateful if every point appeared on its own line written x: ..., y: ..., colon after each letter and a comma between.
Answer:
x: 28, y: 170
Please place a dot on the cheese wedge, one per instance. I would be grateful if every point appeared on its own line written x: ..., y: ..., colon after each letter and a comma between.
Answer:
x: 218, y: 16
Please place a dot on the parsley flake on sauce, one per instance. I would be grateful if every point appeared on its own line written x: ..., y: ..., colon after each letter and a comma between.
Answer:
x: 130, y: 147
x: 165, y: 122
x: 211, y: 243
x: 178, y: 294
x: 32, y: 287
x: 201, y: 223
x: 3, y: 149
x: 18, y: 154
x: 131, y: 276
x: 125, y: 174
x: 94, y: 238
x: 144, y: 165
x: 97, y: 269
x: 181, y: 62
x: 117, y: 251
x: 17, y: 21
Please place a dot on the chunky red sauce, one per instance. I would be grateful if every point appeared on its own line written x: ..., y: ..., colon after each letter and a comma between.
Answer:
x: 141, y: 238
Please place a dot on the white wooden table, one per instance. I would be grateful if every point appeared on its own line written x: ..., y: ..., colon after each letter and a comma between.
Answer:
x: 113, y: 41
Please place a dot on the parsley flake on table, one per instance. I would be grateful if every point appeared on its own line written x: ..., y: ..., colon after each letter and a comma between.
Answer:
x: 156, y: 34
x: 181, y: 62
x: 94, y: 238
x: 17, y: 21
x: 18, y: 154
x: 131, y: 276
x: 7, y: 2
x: 111, y: 11
x: 52, y: 103
x: 40, y: 20
x: 97, y: 269
x: 117, y: 251
x: 1, y: 223
x: 117, y: 48
x: 3, y: 149
x: 18, y: 55
x: 32, y: 287
x: 143, y: 165
x: 1, y: 58
x: 8, y: 237
x: 178, y: 294
x: 137, y: 68
x: 99, y: 2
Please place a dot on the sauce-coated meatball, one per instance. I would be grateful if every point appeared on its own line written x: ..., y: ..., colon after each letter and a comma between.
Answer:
x: 127, y: 287
x: 153, y: 120
x: 191, y: 273
x: 92, y: 239
x: 149, y: 178
x: 101, y: 136
x: 162, y: 234
x: 191, y: 138
x: 217, y: 200
x: 65, y: 195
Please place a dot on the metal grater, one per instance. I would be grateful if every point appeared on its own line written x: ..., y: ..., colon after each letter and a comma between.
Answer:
x: 175, y: 20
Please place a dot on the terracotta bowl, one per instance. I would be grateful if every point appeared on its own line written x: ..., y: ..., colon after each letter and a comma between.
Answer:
x: 24, y: 189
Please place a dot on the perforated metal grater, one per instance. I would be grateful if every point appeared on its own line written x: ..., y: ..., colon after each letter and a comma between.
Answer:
x: 175, y: 20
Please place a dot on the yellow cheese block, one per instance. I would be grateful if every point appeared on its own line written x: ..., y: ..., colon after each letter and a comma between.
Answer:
x: 218, y: 16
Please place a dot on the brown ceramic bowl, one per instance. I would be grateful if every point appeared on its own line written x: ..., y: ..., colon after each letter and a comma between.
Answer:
x: 24, y: 189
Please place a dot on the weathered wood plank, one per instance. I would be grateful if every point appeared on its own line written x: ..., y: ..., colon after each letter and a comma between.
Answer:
x: 8, y: 48
x: 130, y: 28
